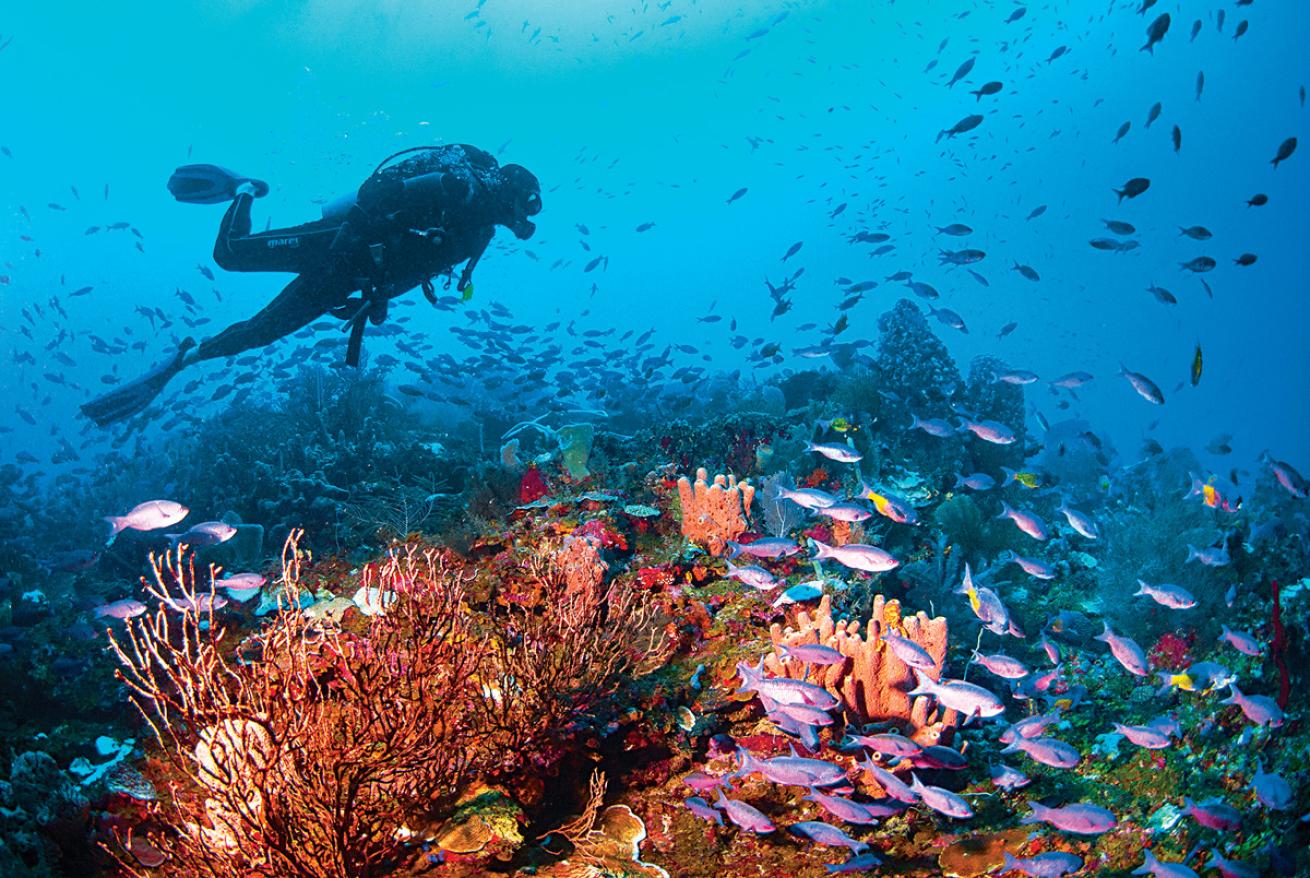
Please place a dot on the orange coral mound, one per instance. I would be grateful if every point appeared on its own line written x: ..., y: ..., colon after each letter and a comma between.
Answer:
x: 714, y: 512
x: 873, y: 683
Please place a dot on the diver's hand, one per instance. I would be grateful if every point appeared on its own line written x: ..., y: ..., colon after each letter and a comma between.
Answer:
x: 245, y: 188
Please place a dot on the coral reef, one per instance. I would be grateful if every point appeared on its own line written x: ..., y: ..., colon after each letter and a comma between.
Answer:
x: 714, y: 512
x: 873, y: 682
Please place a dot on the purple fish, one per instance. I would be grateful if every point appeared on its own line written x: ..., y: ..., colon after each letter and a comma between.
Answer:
x: 1007, y: 778
x: 841, y: 807
x: 1047, y: 751
x: 932, y: 426
x: 1078, y: 818
x: 975, y: 482
x: 1144, y: 736
x: 767, y: 547
x: 206, y: 533
x: 989, y: 431
x: 939, y: 756
x: 809, y: 498
x: 1231, y: 868
x: 966, y: 698
x: 1031, y: 727
x: 1159, y: 869
x: 888, y: 744
x: 703, y: 783
x: 908, y: 651
x: 792, y: 770
x: 940, y: 800
x: 1272, y: 790
x: 744, y: 815
x: 812, y: 654
x: 150, y: 515
x: 1031, y: 566
x: 825, y: 833
x: 753, y: 575
x: 782, y: 689
x: 1241, y: 641
x: 1125, y: 650
x: 856, y: 556
x: 1052, y: 864
x: 892, y: 785
x: 126, y: 608
x: 1209, y: 556
x: 1259, y: 709
x: 703, y: 809
x: 1080, y: 521
x: 1166, y: 595
x: 1003, y: 666
x: 1214, y: 815
x: 863, y: 863
x: 1027, y: 522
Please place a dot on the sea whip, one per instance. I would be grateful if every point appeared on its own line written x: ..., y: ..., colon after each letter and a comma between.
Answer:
x: 1279, y: 649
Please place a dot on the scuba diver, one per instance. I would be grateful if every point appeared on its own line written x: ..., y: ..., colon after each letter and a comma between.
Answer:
x: 411, y: 221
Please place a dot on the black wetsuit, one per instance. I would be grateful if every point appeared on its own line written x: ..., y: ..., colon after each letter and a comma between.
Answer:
x: 394, y: 238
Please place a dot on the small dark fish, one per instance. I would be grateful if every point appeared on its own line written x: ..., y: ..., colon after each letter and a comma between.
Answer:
x: 738, y: 194
x: 81, y: 292
x: 955, y: 229
x: 1285, y: 150
x: 92, y: 230
x: 1155, y: 32
x: 645, y: 227
x: 1197, y: 362
x: 1017, y: 14
x: 961, y: 72
x: 1028, y: 272
x: 1177, y: 138
x: 1037, y: 211
x: 1162, y: 295
x: 1007, y: 329
x: 204, y: 270
x: 793, y: 250
x: 1241, y: 29
x: 1196, y: 29
x: 1196, y: 233
x: 1133, y: 188
x: 1200, y: 83
x: 1199, y: 265
x: 591, y: 266
x: 988, y: 88
x: 1245, y: 259
x: 1123, y: 129
x: 968, y: 123
x: 1058, y: 53
x: 1153, y: 113
x: 1257, y: 200
x: 1119, y: 227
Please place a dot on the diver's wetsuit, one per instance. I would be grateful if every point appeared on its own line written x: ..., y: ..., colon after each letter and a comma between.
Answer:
x: 379, y: 248
x: 411, y: 221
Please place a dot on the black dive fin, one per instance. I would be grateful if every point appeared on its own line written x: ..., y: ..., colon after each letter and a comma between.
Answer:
x: 209, y: 184
x: 133, y: 398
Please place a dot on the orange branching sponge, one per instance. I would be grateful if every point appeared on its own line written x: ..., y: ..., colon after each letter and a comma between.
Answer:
x: 872, y: 683
x: 714, y: 512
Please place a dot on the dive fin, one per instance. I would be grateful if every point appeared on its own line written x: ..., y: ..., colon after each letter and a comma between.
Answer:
x: 134, y: 397
x: 209, y: 184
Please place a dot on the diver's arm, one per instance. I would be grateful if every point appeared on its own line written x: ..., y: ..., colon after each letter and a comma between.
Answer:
x: 479, y: 247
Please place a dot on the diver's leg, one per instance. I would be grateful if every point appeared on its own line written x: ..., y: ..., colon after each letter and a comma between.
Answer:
x: 297, y: 249
x: 303, y: 300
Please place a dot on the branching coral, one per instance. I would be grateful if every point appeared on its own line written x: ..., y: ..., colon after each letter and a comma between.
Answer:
x: 714, y: 512
x: 872, y: 683
x: 307, y: 754
x: 566, y: 640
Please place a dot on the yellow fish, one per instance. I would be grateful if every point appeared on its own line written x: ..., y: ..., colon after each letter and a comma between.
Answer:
x: 1180, y: 681
x: 1027, y: 479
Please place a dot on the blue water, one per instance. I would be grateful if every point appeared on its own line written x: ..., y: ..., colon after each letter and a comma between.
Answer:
x: 628, y: 120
